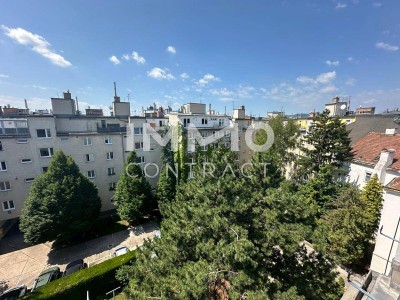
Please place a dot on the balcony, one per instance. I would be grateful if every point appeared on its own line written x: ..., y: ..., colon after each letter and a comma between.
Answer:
x: 21, y: 132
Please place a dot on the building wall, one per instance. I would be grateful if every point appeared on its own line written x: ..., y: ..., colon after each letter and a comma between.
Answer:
x: 69, y: 137
x: 389, y: 220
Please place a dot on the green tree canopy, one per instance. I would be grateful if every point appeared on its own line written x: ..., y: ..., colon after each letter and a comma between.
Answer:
x: 133, y: 196
x: 328, y: 143
x: 223, y: 239
x: 61, y: 203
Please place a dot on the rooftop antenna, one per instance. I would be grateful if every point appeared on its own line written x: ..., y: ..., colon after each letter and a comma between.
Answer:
x: 77, y: 105
x: 115, y: 89
x: 129, y: 100
x: 26, y: 104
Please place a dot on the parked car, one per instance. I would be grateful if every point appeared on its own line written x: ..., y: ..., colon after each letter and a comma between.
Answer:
x: 120, y: 251
x: 47, y: 276
x: 14, y: 293
x: 74, y: 266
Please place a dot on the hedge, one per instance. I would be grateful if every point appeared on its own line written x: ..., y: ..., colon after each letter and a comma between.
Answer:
x: 98, y: 280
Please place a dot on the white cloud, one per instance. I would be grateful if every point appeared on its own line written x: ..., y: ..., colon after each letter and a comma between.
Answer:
x: 3, y: 76
x: 114, y: 60
x: 334, y: 63
x: 208, y: 78
x: 38, y: 43
x: 126, y: 56
x: 386, y: 46
x: 328, y: 89
x: 326, y: 77
x: 341, y: 5
x: 323, y: 78
x: 171, y: 49
x: 184, y: 76
x: 350, y: 58
x: 160, y: 74
x: 139, y: 59
x: 304, y: 79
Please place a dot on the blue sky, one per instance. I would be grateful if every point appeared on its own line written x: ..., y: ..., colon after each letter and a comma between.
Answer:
x: 266, y: 55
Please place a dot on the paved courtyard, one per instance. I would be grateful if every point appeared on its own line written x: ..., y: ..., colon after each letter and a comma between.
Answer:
x: 21, y: 265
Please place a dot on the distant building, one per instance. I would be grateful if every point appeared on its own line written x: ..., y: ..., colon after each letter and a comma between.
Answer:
x: 365, y: 111
x: 337, y: 108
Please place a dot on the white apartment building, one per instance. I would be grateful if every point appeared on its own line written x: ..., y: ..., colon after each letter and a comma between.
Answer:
x: 99, y: 144
x: 379, y: 153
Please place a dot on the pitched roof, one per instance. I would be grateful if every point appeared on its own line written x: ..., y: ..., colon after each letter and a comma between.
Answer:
x: 394, y: 184
x: 370, y: 123
x: 369, y: 148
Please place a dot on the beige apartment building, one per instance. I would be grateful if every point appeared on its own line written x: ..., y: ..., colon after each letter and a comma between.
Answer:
x: 99, y: 144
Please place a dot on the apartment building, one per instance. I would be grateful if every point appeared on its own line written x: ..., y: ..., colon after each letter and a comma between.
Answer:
x: 97, y: 143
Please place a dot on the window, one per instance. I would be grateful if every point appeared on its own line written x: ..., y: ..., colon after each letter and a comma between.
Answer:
x: 8, y: 205
x: 112, y: 186
x: 220, y: 122
x: 108, y: 140
x: 138, y: 130
x: 29, y: 179
x: 44, y: 169
x: 368, y: 176
x: 138, y: 145
x: 3, y: 166
x: 43, y: 133
x: 110, y: 155
x: 140, y: 159
x: 5, y: 186
x: 1, y: 146
x: 87, y: 141
x: 22, y: 141
x: 186, y: 122
x: 46, y: 152
x: 89, y: 157
x: 203, y: 148
x: 161, y: 123
x: 26, y: 161
x: 91, y: 174
x: 103, y: 124
x: 204, y: 121
x: 111, y: 171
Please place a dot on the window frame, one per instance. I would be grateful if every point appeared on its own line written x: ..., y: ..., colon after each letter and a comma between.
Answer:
x: 1, y: 166
x: 9, y: 208
x: 47, y: 133
x: 87, y: 141
x: 49, y: 149
x: 93, y: 172
x: 5, y: 186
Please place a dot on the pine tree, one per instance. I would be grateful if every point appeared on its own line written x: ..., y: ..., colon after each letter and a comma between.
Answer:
x: 166, y: 185
x: 133, y: 196
x: 372, y: 198
x: 61, y: 203
x: 328, y: 143
x: 222, y: 239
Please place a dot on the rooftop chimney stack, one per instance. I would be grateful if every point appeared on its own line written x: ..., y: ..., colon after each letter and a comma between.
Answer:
x: 67, y: 95
x: 385, y: 160
x: 116, y: 98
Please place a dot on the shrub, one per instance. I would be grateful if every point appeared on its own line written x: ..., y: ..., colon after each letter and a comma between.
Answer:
x: 98, y: 280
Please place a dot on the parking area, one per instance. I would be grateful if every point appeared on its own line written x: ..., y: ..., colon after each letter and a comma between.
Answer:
x: 22, y: 265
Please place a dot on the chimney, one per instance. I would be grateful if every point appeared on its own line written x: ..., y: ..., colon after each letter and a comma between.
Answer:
x: 209, y: 109
x: 116, y: 98
x: 67, y: 95
x: 391, y: 131
x: 335, y: 100
x: 385, y: 160
x: 26, y: 104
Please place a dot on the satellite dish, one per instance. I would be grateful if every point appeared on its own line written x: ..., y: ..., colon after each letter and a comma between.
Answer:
x: 343, y: 106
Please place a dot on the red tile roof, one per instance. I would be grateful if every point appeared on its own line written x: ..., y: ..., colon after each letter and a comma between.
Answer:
x: 368, y: 148
x: 394, y: 184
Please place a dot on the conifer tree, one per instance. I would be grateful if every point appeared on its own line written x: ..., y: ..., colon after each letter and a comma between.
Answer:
x: 61, y: 203
x: 372, y: 197
x: 133, y: 196
x: 328, y: 143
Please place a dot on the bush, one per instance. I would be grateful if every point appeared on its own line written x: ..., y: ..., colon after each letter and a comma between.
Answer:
x: 98, y: 280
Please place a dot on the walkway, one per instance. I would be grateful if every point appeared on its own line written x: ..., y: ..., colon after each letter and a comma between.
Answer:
x: 19, y: 265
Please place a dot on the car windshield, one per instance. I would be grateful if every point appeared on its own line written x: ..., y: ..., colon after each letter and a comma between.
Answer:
x: 121, y: 251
